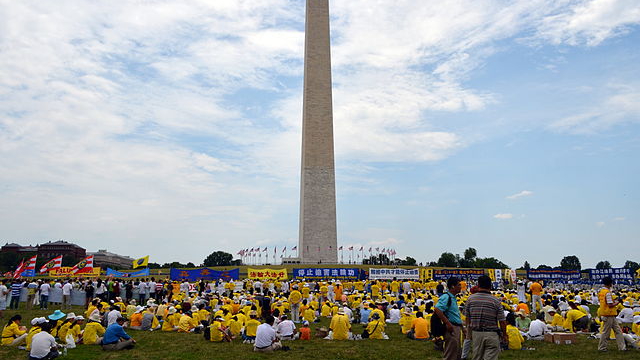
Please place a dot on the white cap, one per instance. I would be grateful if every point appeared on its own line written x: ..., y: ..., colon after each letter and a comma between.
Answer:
x: 71, y: 315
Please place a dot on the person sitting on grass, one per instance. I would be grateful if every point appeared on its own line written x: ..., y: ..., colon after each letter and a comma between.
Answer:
x: 115, y: 338
x: 515, y: 338
x: 75, y: 330
x: 419, y: 328
x: 65, y: 326
x: 576, y: 320
x: 557, y: 322
x: 93, y: 331
x: 340, y: 326
x: 35, y: 328
x: 406, y: 321
x: 218, y: 331
x: 537, y: 328
x: 14, y: 334
x: 375, y: 328
x: 523, y: 321
x: 171, y: 321
x: 250, y: 328
x: 186, y: 323
x: 305, y: 331
x: 43, y: 344
x: 266, y: 339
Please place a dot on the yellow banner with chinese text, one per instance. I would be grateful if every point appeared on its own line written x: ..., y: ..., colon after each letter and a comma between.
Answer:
x: 267, y: 274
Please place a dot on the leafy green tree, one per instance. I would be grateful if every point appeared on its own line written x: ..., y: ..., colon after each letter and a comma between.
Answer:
x: 490, y: 263
x: 218, y: 258
x: 570, y: 263
x: 408, y: 261
x: 153, y: 265
x: 544, y: 267
x: 603, y: 265
x: 634, y: 266
x: 447, y: 259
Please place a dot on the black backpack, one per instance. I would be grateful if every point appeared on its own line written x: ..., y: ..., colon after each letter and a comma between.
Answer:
x: 207, y: 333
x: 438, y: 328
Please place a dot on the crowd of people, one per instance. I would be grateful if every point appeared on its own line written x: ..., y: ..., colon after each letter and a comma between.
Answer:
x: 472, y: 318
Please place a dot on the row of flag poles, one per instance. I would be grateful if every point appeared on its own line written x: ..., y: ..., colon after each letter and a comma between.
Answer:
x: 254, y: 256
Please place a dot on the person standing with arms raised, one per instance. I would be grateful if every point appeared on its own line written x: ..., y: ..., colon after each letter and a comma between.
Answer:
x: 447, y: 310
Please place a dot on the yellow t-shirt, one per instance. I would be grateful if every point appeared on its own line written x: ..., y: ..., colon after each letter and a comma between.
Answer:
x: 216, y: 331
x: 604, y: 309
x: 171, y: 322
x: 375, y: 329
x: 515, y: 338
x: 340, y: 326
x: 9, y: 331
x: 62, y: 332
x: 420, y: 328
x: 91, y: 333
x: 34, y: 330
x: 75, y: 332
x: 251, y: 327
x: 186, y: 323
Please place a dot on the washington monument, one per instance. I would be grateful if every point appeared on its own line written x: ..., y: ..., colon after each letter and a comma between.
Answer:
x: 318, y: 234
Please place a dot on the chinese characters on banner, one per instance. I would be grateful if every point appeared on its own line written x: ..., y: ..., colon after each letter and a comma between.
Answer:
x: 553, y: 275
x: 388, y: 274
x: 615, y: 274
x: 467, y: 274
x: 327, y: 273
x: 267, y: 274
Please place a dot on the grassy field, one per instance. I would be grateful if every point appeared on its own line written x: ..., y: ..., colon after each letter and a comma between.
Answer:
x: 173, y: 346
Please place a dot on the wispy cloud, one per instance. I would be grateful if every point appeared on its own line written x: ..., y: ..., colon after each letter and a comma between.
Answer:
x: 503, y: 216
x: 600, y: 224
x: 521, y: 194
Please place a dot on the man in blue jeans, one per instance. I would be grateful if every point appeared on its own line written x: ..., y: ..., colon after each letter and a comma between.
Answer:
x: 115, y: 338
x: 16, y: 287
x: 447, y: 310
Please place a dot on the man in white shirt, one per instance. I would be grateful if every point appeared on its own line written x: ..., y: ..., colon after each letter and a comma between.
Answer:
x: 537, y: 328
x: 626, y: 314
x: 44, y: 295
x: 113, y: 315
x: 266, y: 339
x: 43, y: 345
x: 286, y: 329
x: 143, y: 288
x: 66, y: 295
x: 394, y: 315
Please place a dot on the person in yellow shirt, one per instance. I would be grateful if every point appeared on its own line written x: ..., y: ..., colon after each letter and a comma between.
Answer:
x: 375, y: 290
x: 340, y: 326
x: 35, y: 328
x: 171, y: 321
x: 576, y: 320
x: 75, y: 330
x: 65, y: 326
x: 557, y: 324
x: 406, y: 321
x: 235, y: 326
x: 295, y: 297
x: 135, y: 321
x: 14, y: 334
x: 375, y: 328
x: 93, y: 331
x: 218, y: 332
x: 130, y: 309
x: 419, y: 328
x: 251, y: 327
x: 186, y: 323
x: 608, y: 313
x: 326, y: 309
x: 515, y: 337
x: 310, y: 314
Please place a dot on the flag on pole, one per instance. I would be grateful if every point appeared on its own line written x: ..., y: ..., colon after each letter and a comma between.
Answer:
x: 350, y: 247
x: 142, y: 262
x: 84, y: 266
x: 377, y: 249
x: 361, y: 248
x: 19, y: 270
x: 275, y: 249
x: 294, y: 248
x: 30, y: 267
x: 340, y: 248
x: 284, y: 249
x: 53, y: 264
x: 265, y: 249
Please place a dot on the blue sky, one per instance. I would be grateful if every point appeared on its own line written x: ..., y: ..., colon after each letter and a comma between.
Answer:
x: 172, y: 128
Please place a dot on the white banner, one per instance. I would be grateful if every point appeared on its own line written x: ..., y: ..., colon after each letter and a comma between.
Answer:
x: 498, y: 275
x: 389, y: 274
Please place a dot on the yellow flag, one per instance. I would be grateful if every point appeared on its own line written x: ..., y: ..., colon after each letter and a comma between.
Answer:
x: 638, y: 273
x: 492, y: 274
x: 142, y: 262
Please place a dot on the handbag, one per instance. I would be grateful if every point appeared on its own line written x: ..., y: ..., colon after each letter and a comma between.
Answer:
x: 438, y: 328
x: 365, y: 333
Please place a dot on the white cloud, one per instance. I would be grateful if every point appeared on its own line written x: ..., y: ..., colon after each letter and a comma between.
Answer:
x: 619, y: 218
x: 600, y: 223
x: 503, y: 216
x: 619, y: 106
x: 589, y: 22
x: 522, y: 193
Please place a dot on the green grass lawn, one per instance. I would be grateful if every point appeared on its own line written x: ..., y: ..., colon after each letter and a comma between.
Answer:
x: 160, y: 345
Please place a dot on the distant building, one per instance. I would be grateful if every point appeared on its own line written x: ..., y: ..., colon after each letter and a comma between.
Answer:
x: 46, y: 250
x: 105, y: 259
x: 50, y: 250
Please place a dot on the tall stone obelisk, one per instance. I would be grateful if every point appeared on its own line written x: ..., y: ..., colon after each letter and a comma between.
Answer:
x: 318, y: 234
